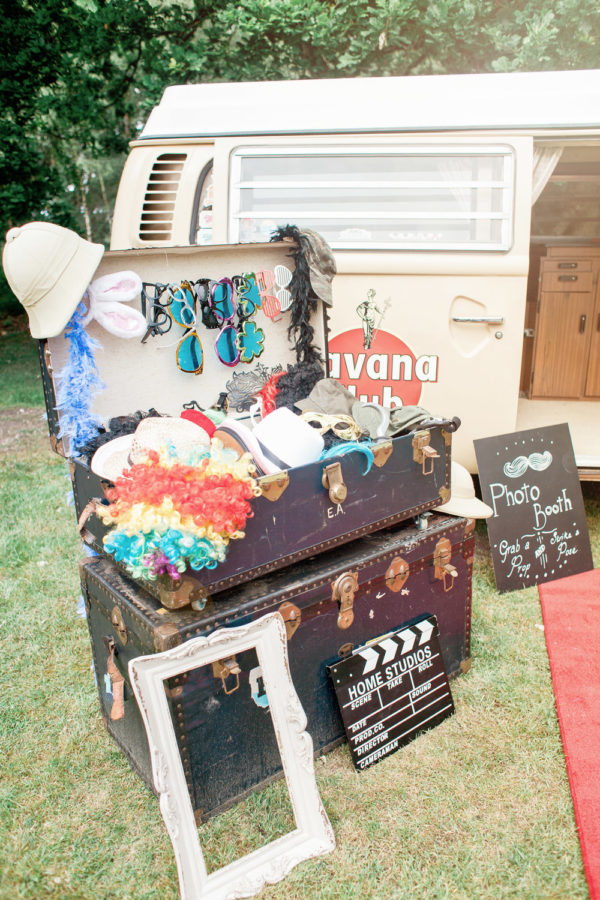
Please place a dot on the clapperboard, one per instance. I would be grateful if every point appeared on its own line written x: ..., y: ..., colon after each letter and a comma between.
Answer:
x: 392, y: 689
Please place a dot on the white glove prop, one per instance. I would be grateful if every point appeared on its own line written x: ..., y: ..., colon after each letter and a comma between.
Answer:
x: 106, y: 296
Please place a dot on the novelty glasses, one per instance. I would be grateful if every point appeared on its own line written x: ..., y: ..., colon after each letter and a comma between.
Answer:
x: 182, y: 309
x: 164, y: 304
x: 222, y: 304
x: 158, y: 321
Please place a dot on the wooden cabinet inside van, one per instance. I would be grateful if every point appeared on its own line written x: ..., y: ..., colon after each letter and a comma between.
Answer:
x: 566, y: 352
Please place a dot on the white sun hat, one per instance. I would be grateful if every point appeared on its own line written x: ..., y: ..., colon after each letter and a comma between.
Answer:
x: 463, y: 501
x: 48, y: 268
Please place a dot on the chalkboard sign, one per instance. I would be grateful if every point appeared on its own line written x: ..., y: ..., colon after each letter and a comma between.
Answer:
x: 392, y: 689
x: 538, y: 531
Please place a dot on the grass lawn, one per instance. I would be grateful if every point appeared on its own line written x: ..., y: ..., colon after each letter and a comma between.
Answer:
x: 477, y: 808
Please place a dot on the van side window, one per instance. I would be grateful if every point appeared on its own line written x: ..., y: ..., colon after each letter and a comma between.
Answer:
x: 202, y: 216
x: 406, y: 198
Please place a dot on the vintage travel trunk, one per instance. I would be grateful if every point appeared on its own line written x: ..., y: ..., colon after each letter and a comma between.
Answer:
x: 301, y: 511
x: 331, y: 604
x: 298, y: 515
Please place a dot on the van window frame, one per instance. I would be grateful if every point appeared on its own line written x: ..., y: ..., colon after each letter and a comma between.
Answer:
x: 194, y: 224
x: 506, y: 216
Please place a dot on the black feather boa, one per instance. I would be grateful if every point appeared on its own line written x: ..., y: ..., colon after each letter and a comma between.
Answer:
x: 300, y: 331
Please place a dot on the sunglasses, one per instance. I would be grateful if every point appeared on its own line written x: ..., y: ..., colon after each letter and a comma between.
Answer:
x: 247, y: 293
x: 181, y: 307
x: 265, y: 282
x: 181, y: 304
x: 158, y: 321
x: 283, y: 277
x: 202, y: 289
x: 250, y: 341
x: 222, y: 304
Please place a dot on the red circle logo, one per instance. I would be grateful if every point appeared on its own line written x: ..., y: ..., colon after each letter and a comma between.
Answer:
x: 385, y: 373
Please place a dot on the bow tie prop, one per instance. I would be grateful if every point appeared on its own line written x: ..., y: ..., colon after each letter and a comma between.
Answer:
x: 106, y: 297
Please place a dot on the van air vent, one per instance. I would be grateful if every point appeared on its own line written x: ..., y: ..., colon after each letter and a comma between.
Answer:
x: 159, y: 201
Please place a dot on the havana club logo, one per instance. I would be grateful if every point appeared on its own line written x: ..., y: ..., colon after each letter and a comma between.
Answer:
x: 385, y: 372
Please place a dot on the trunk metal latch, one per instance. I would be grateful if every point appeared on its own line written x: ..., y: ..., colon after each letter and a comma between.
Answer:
x: 423, y: 452
x: 333, y: 480
x: 223, y: 668
x: 343, y: 590
x: 291, y: 616
x: 382, y: 451
x: 116, y: 618
x: 443, y: 568
x: 273, y: 486
x: 397, y: 574
x: 184, y: 592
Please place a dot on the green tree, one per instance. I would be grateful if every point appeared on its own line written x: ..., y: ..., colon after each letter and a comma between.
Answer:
x: 79, y: 76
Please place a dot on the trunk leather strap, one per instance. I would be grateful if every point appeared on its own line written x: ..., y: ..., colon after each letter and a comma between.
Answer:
x: 88, y: 510
x: 118, y: 685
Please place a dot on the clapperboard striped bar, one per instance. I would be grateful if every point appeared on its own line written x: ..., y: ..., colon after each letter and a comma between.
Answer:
x: 391, y: 690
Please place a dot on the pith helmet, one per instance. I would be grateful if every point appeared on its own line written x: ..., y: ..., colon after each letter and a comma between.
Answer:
x: 48, y: 269
x: 463, y: 501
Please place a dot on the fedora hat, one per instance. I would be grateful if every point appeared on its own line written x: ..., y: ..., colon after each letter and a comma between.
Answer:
x: 111, y: 458
x: 321, y: 264
x: 463, y: 501
x: 328, y: 396
x: 48, y: 268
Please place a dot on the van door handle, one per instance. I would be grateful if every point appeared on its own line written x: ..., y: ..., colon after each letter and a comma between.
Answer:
x: 487, y: 320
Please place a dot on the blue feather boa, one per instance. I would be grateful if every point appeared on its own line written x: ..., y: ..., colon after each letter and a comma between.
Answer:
x: 77, y: 384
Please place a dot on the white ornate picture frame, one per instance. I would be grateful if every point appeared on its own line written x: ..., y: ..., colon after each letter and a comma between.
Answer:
x: 313, y: 834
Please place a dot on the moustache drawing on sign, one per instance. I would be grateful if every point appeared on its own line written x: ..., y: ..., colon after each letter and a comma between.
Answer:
x: 536, y: 461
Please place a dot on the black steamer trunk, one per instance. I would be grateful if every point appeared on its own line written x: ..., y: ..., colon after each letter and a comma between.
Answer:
x: 331, y: 603
x: 298, y: 515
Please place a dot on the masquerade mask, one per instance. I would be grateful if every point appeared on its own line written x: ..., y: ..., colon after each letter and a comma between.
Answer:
x: 344, y: 427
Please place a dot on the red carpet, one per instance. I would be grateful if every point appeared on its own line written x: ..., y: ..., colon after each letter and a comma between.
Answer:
x: 571, y: 609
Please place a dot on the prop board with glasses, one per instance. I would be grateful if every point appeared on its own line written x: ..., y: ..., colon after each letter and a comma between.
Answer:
x: 298, y: 511
x: 141, y: 375
x: 538, y: 531
x: 331, y: 604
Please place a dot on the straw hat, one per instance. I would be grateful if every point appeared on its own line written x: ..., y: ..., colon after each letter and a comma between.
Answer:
x: 463, y: 501
x: 111, y: 458
x: 48, y: 269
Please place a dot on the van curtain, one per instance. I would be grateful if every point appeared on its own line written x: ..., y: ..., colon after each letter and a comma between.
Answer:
x: 545, y: 159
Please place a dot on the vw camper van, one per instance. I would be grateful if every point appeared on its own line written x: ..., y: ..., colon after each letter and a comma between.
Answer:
x: 463, y: 211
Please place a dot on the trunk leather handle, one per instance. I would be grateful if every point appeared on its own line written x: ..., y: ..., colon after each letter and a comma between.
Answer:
x: 118, y: 687
x: 88, y: 510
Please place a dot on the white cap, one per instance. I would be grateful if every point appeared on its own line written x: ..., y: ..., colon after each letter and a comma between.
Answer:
x: 463, y: 501
x: 48, y: 268
x: 287, y: 440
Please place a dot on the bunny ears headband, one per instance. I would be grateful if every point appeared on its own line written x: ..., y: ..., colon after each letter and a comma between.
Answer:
x: 106, y: 296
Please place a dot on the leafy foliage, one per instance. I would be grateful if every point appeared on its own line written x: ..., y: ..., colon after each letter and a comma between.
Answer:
x: 79, y: 76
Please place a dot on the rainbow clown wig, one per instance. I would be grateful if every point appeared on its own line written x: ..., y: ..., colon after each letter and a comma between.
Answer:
x: 171, y: 510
